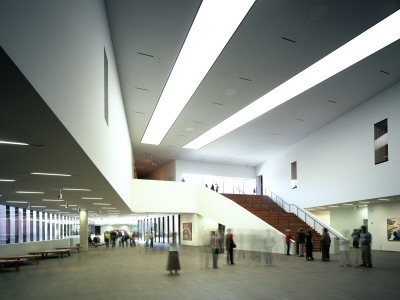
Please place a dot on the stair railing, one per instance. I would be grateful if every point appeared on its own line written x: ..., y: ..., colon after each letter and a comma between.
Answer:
x: 304, y: 215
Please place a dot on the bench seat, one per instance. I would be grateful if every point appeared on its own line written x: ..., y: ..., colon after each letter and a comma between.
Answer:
x: 35, y: 258
x: 60, y: 252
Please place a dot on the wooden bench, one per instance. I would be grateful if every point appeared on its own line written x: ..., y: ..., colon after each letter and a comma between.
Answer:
x: 72, y: 247
x: 35, y: 258
x: 16, y: 263
x: 59, y: 252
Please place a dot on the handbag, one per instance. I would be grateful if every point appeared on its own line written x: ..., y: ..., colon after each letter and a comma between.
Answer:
x: 233, y: 245
x: 216, y: 251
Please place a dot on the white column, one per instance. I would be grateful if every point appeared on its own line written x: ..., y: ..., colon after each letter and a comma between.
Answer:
x: 83, y: 218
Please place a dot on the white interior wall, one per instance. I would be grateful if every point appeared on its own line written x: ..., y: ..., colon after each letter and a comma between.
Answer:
x: 189, y: 199
x: 153, y: 196
x: 190, y: 218
x: 204, y: 228
x: 204, y: 168
x: 59, y: 47
x: 377, y: 225
x: 346, y: 219
x: 336, y: 163
x: 201, y: 227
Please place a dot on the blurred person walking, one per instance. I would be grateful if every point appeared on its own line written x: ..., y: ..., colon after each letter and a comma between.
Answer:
x: 268, y: 243
x: 229, y: 245
x: 365, y: 239
x: 173, y: 257
x: 215, y: 248
x: 107, y: 238
x: 113, y: 238
x: 301, y: 237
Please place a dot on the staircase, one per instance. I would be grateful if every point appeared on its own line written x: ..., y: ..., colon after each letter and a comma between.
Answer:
x: 271, y: 213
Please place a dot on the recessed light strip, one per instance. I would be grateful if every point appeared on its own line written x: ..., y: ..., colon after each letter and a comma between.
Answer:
x: 214, y: 25
x: 372, y: 40
x: 28, y: 192
x: 52, y: 200
x: 50, y: 174
x: 14, y: 143
x: 7, y: 180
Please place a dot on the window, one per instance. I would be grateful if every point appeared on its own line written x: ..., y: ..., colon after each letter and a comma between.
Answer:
x: 19, y: 225
x: 229, y: 185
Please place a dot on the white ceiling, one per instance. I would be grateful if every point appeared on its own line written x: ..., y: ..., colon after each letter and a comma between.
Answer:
x: 258, y: 52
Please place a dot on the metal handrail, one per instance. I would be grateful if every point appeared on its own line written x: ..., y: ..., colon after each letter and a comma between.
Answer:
x: 306, y: 214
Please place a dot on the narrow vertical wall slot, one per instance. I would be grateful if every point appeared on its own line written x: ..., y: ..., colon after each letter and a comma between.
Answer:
x: 294, y: 174
x: 105, y: 86
x: 381, y: 146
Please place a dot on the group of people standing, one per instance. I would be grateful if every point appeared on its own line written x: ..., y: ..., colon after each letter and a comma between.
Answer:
x: 123, y: 238
x: 303, y: 242
x: 213, y: 188
x: 217, y: 242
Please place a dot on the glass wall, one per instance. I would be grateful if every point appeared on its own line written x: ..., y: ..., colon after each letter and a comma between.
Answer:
x: 20, y: 225
x: 162, y: 228
x: 228, y: 185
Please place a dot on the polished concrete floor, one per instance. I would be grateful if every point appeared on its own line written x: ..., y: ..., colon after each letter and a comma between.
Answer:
x: 139, y: 273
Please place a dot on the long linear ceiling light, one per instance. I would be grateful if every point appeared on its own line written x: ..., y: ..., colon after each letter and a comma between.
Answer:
x: 214, y: 25
x: 51, y: 174
x: 372, y: 40
x: 14, y: 143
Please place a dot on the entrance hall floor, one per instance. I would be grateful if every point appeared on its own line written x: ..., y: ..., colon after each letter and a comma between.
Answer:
x: 139, y: 273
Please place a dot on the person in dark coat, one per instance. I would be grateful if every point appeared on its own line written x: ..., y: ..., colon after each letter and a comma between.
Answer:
x: 173, y: 257
x: 325, y: 244
x: 356, y: 238
x: 301, y: 237
x: 309, y: 245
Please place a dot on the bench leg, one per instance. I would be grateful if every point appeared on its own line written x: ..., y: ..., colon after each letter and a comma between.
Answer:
x: 17, y: 267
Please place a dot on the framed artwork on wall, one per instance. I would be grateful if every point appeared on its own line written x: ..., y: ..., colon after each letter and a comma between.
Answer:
x: 393, y: 229
x: 187, y: 231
